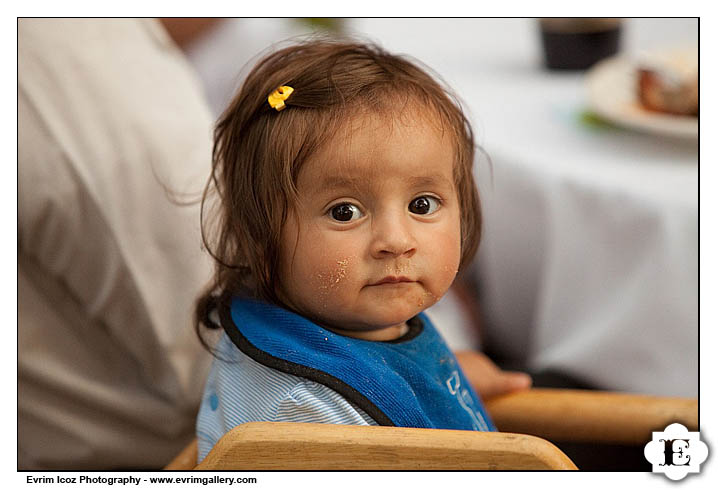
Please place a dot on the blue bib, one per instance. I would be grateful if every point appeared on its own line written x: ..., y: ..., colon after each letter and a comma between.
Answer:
x: 413, y: 381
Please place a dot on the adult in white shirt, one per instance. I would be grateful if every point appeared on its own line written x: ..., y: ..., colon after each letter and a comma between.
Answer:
x: 112, y: 128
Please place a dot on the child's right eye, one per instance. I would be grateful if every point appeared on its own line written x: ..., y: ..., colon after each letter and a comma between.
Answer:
x: 345, y: 212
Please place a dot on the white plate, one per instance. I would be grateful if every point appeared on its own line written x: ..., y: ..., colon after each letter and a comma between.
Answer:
x: 612, y: 94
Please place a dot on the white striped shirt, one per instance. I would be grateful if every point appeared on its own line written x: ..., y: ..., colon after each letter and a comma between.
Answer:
x: 240, y: 390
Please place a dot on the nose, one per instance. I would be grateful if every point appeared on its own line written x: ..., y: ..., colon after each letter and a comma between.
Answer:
x: 392, y: 236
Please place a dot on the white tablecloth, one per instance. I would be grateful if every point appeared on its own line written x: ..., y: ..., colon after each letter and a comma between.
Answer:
x: 589, y: 260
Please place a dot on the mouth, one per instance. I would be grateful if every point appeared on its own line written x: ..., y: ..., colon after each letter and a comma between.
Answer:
x: 392, y: 280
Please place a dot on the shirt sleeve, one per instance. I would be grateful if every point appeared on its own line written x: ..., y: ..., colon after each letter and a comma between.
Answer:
x: 311, y: 402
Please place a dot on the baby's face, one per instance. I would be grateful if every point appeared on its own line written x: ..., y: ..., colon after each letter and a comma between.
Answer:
x: 375, y: 238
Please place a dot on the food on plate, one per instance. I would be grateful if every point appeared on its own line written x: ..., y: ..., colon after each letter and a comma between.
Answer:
x: 661, y: 91
x: 668, y: 81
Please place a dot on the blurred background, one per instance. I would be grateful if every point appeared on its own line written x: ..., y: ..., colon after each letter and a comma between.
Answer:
x: 587, y: 273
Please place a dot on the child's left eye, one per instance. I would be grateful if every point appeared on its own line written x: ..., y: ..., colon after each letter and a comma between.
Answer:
x: 424, y: 205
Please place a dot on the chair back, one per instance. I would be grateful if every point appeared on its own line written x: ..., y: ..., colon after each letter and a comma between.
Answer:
x: 297, y: 446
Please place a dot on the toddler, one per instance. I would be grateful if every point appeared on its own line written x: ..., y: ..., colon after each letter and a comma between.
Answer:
x: 346, y: 206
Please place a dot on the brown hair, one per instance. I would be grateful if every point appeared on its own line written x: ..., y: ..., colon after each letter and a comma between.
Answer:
x: 258, y: 152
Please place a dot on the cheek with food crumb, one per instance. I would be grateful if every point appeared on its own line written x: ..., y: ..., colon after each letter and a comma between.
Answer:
x: 332, y: 277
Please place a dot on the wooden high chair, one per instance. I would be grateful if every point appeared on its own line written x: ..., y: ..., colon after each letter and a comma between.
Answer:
x: 525, y: 419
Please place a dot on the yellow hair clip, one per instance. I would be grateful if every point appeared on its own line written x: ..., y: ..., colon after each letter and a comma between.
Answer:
x: 276, y: 99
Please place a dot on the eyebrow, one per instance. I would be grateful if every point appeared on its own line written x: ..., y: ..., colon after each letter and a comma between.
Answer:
x: 429, y: 180
x: 353, y: 182
x: 339, y: 181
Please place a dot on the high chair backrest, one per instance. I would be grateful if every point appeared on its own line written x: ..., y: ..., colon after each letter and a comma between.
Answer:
x: 296, y: 446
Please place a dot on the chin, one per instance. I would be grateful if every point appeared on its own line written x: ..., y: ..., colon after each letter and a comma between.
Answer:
x: 368, y: 322
x: 392, y: 318
x: 372, y: 316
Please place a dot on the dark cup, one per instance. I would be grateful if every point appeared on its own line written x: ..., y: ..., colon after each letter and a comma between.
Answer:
x: 577, y: 44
